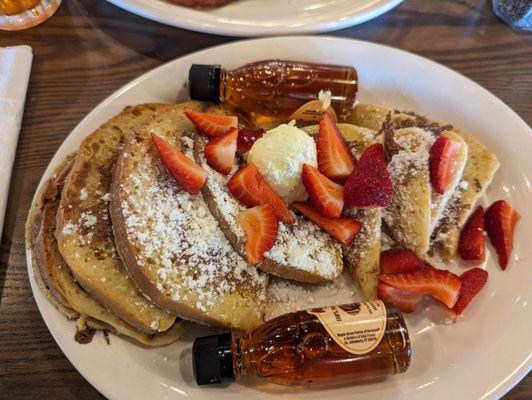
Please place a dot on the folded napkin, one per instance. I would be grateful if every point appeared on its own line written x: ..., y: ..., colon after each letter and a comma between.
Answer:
x: 15, y: 65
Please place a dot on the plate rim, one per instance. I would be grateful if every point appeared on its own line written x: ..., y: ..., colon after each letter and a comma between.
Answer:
x: 230, y: 29
x: 500, y: 390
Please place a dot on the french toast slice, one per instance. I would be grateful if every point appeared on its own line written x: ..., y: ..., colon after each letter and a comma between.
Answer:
x: 474, y: 164
x: 362, y: 255
x: 478, y: 173
x: 57, y: 282
x: 170, y: 243
x: 302, y: 252
x: 374, y: 116
x: 84, y: 235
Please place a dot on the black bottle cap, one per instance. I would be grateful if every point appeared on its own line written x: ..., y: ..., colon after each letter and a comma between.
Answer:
x: 212, y: 359
x: 204, y: 82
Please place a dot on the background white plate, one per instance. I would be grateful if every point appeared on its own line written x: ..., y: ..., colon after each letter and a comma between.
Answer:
x: 481, y: 357
x: 262, y: 17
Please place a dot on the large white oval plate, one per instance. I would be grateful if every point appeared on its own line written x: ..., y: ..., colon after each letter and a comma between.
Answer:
x: 481, y: 357
x: 262, y: 17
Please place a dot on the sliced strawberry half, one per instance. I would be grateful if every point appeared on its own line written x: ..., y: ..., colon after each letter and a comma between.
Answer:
x: 245, y: 186
x: 189, y: 176
x: 369, y: 185
x: 400, y: 260
x: 342, y: 229
x: 251, y: 189
x: 212, y: 125
x: 246, y: 138
x: 472, y: 282
x: 442, y: 161
x: 335, y: 159
x: 404, y: 300
x: 261, y: 224
x: 220, y: 152
x: 500, y: 220
x: 326, y: 196
x: 472, y: 244
x: 440, y: 284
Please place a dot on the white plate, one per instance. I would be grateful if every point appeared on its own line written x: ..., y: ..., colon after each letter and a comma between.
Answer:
x: 262, y: 17
x: 481, y: 357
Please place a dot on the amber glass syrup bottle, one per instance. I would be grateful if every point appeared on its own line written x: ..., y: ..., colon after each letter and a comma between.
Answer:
x: 275, y: 88
x: 320, y: 346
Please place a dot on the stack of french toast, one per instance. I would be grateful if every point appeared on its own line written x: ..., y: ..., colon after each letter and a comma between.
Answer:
x: 177, y: 212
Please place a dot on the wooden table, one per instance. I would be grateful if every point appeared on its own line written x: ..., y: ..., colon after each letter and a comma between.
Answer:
x: 91, y: 48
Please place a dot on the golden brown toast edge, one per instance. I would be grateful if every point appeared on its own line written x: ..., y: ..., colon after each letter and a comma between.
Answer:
x: 54, y: 275
x: 104, y: 143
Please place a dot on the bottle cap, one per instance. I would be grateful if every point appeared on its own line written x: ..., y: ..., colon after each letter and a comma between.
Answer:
x: 212, y: 359
x: 204, y: 82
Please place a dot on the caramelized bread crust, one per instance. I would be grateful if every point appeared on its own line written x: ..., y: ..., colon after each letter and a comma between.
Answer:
x: 84, y: 234
x: 55, y: 279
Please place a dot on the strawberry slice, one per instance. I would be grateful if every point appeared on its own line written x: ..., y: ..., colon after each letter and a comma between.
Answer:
x: 335, y: 159
x: 472, y: 282
x: 500, y: 220
x: 400, y: 260
x: 440, y: 284
x: 246, y: 138
x: 189, y: 175
x: 442, y: 160
x: 261, y: 224
x: 220, y: 152
x: 342, y: 229
x: 212, y: 125
x: 369, y: 185
x: 404, y: 300
x: 326, y: 196
x: 472, y: 244
x: 251, y: 189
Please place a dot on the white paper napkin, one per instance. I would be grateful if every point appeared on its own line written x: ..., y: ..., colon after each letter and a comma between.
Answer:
x: 15, y: 66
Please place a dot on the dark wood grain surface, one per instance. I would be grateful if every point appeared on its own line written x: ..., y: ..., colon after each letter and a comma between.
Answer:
x: 90, y: 48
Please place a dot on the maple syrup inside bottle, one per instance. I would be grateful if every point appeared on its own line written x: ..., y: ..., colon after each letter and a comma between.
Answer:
x: 297, y: 349
x: 275, y: 88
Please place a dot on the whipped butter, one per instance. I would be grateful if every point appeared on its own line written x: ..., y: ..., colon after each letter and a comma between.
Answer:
x: 279, y: 156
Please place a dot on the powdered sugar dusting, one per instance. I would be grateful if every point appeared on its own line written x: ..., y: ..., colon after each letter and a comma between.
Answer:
x: 409, y: 164
x: 302, y: 245
x: 286, y: 296
x: 176, y: 232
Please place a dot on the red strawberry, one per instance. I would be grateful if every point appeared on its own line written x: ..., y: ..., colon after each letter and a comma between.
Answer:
x: 189, y: 175
x: 500, y: 220
x: 245, y: 186
x: 343, y: 229
x: 212, y: 125
x: 440, y: 284
x: 404, y: 300
x: 369, y: 185
x: 220, y: 152
x: 443, y: 155
x: 261, y: 224
x: 251, y: 189
x: 326, y: 196
x: 246, y: 138
x: 335, y: 159
x: 472, y: 282
x: 472, y: 244
x: 400, y: 260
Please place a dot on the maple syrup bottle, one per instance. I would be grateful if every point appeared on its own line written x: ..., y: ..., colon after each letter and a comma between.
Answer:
x: 275, y: 88
x: 319, y: 346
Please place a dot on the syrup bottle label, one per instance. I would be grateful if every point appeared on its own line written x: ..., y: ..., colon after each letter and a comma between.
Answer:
x: 358, y: 328
x: 312, y: 111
